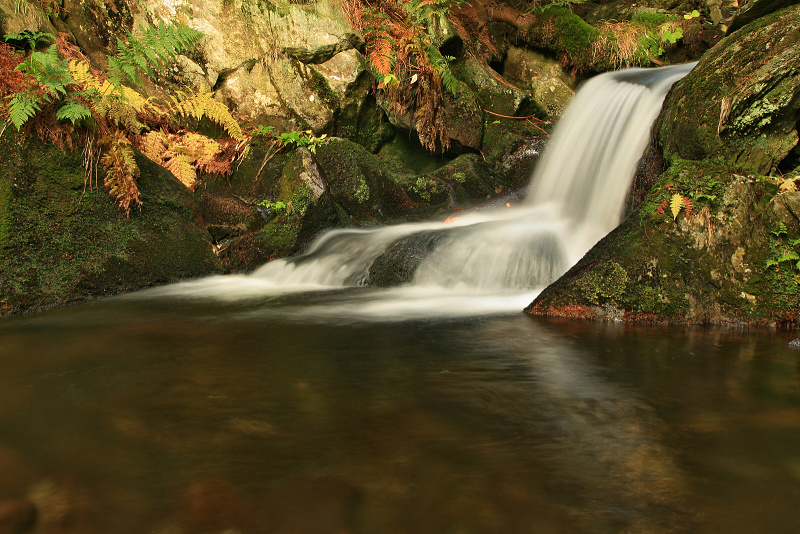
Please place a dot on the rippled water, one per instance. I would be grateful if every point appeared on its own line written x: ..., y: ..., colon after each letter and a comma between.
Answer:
x: 186, y: 416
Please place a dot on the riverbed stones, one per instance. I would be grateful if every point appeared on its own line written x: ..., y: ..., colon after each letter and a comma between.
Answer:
x: 17, y: 516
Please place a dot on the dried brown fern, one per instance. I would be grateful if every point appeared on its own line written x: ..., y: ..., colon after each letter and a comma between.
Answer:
x: 399, y: 52
x: 121, y: 171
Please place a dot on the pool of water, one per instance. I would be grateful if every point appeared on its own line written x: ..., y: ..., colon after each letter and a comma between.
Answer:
x: 167, y: 415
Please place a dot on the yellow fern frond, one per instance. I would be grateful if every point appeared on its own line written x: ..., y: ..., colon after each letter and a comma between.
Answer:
x: 182, y: 168
x: 675, y: 204
x: 198, y: 106
x: 154, y: 145
x: 678, y: 202
x: 203, y: 150
x: 119, y: 103
x: 134, y: 98
x: 787, y: 185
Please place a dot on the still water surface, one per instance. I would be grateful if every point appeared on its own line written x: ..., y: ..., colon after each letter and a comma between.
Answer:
x: 185, y: 416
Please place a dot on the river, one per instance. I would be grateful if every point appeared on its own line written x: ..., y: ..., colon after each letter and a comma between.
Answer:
x: 165, y: 415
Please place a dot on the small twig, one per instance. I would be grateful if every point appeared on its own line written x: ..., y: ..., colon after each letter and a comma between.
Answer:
x: 527, y: 118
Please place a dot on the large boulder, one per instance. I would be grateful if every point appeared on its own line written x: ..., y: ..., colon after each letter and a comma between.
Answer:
x: 717, y: 240
x: 544, y: 76
x: 62, y: 238
x: 742, y: 101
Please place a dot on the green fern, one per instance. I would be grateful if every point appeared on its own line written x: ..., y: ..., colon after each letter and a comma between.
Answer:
x: 29, y: 37
x: 149, y: 53
x: 23, y: 106
x: 449, y: 81
x: 73, y: 111
x: 50, y: 70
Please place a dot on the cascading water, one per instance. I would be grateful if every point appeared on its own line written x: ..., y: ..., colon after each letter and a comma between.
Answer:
x: 499, y: 260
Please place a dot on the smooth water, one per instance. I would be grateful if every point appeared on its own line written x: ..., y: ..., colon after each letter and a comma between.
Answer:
x: 189, y: 416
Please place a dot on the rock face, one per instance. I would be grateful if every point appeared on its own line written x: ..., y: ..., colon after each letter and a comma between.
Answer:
x: 741, y: 101
x: 62, y: 239
x: 294, y: 65
x: 716, y: 240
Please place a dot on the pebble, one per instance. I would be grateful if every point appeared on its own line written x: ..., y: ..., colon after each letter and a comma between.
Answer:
x: 17, y: 516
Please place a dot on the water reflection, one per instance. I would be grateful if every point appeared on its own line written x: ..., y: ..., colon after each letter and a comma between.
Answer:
x: 155, y: 416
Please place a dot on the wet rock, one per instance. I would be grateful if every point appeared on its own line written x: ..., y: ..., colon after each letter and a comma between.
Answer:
x: 754, y: 10
x: 493, y: 93
x: 64, y: 241
x: 17, y: 516
x: 398, y: 264
x: 740, y: 102
x: 544, y: 76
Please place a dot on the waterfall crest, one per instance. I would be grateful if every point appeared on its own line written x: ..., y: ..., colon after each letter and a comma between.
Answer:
x: 576, y: 196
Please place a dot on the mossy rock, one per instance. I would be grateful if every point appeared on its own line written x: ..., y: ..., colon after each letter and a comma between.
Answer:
x: 741, y: 101
x: 361, y: 184
x: 62, y: 239
x: 728, y: 259
x: 398, y: 264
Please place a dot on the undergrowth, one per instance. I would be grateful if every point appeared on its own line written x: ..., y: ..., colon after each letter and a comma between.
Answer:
x: 58, y: 95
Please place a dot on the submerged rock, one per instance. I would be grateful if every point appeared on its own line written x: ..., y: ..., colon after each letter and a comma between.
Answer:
x: 17, y: 516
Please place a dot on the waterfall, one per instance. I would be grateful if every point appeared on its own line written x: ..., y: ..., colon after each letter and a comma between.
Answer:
x: 576, y: 196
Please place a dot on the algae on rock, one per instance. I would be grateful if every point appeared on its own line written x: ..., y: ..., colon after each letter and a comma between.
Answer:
x: 62, y: 240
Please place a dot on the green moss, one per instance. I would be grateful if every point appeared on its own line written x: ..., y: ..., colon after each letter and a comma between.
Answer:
x: 66, y: 241
x: 319, y: 84
x: 654, y: 20
x: 279, y: 237
x: 607, y: 283
x: 574, y: 35
x: 5, y: 224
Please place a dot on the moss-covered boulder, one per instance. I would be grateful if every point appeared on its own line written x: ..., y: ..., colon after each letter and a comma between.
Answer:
x: 729, y: 257
x: 749, y: 12
x: 542, y: 75
x: 742, y: 101
x: 62, y: 239
x: 717, y: 240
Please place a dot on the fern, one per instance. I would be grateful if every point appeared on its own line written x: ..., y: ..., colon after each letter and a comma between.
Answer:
x: 116, y: 103
x: 50, y: 70
x: 449, y: 81
x: 73, y: 111
x: 121, y: 171
x: 155, y: 47
x: 678, y: 201
x: 203, y: 105
x: 30, y: 38
x: 183, y: 154
x: 53, y: 76
x: 23, y: 106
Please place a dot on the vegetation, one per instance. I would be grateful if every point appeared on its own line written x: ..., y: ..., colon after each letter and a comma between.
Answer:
x: 58, y: 95
x: 411, y: 74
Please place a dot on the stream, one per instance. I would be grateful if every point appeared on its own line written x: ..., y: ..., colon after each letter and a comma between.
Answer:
x: 148, y: 414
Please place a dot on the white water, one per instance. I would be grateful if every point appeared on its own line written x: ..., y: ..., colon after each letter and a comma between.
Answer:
x: 487, y: 262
